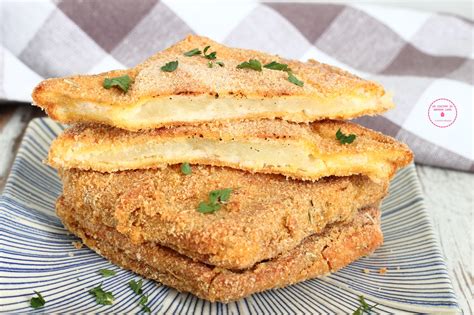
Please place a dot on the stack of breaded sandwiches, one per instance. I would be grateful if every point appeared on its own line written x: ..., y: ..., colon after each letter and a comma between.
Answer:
x: 222, y: 171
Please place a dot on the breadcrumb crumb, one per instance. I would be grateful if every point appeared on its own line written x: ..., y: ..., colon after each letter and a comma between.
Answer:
x: 77, y: 244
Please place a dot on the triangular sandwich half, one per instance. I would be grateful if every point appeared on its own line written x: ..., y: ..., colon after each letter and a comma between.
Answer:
x: 188, y: 84
x: 301, y: 151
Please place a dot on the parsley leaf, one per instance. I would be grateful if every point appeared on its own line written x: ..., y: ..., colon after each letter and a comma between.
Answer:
x: 221, y: 195
x: 192, y: 52
x: 102, y: 297
x: 122, y: 82
x: 136, y: 286
x: 186, y: 168
x: 277, y: 66
x: 205, y: 207
x: 142, y: 302
x: 220, y: 63
x: 344, y: 139
x: 216, y: 198
x: 170, y: 66
x: 107, y: 273
x: 251, y: 64
x: 37, y: 302
x: 364, y: 307
x: 211, y: 56
x: 294, y: 79
x: 209, y: 64
x: 146, y: 309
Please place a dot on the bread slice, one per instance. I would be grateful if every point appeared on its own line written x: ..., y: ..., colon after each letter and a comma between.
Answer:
x: 299, y: 151
x: 196, y: 92
x: 265, y: 215
x: 317, y: 255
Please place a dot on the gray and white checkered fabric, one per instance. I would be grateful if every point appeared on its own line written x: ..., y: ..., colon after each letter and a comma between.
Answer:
x: 419, y: 57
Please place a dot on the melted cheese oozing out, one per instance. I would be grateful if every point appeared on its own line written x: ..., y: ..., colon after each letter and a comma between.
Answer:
x: 291, y: 158
x: 205, y: 108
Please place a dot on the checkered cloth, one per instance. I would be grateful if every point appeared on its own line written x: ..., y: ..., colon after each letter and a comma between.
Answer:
x: 420, y: 57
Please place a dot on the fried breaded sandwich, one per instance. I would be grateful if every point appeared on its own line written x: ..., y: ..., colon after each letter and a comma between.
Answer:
x: 189, y: 84
x: 302, y: 151
x: 221, y: 171
x: 265, y: 215
x: 317, y: 255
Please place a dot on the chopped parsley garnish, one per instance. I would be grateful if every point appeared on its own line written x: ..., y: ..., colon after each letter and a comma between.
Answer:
x: 257, y: 66
x: 122, y: 82
x: 277, y: 66
x: 211, y: 56
x: 205, y: 207
x: 216, y: 199
x: 192, y: 52
x: 186, y: 168
x: 294, y: 79
x: 136, y: 286
x: 102, y: 297
x: 220, y: 195
x: 107, y: 272
x: 251, y: 64
x: 364, y: 307
x: 284, y: 67
x: 37, y: 302
x: 344, y: 139
x: 142, y: 302
x: 170, y: 66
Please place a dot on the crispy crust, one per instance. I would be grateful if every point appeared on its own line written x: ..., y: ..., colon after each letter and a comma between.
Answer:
x: 317, y: 255
x: 325, y: 86
x: 265, y: 216
x: 315, y: 152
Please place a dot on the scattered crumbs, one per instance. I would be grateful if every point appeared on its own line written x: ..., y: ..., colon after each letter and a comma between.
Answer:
x: 382, y: 270
x: 70, y: 254
x: 365, y: 270
x: 77, y: 244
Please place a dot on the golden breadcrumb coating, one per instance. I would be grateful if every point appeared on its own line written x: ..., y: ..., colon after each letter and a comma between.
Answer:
x: 301, y: 151
x: 317, y: 255
x: 195, y: 92
x: 265, y: 216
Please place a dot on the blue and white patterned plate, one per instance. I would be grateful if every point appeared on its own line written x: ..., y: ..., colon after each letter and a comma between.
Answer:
x: 36, y: 253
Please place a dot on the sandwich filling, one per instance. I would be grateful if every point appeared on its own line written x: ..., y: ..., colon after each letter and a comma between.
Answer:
x: 166, y: 111
x: 295, y: 150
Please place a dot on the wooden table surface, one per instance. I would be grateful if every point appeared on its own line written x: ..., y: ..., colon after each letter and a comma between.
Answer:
x: 448, y: 195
